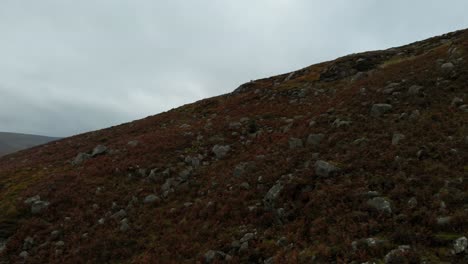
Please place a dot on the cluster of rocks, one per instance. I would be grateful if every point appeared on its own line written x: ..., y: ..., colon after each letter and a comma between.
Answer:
x: 83, y: 156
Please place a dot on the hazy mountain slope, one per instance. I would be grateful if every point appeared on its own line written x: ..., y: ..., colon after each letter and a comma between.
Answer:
x: 11, y: 142
x: 359, y: 159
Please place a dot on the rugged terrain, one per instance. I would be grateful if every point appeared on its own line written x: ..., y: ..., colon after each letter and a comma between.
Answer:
x: 360, y: 159
x: 11, y: 142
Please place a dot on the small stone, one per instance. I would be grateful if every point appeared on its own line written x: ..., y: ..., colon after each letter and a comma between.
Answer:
x: 414, y: 115
x: 325, y: 169
x: 245, y: 185
x: 33, y: 199
x: 415, y: 89
x: 444, y: 220
x: 272, y: 195
x: 220, y: 151
x: 120, y: 214
x: 447, y: 66
x: 412, y: 202
x: 397, y: 255
x: 151, y: 199
x: 315, y: 139
x: 38, y: 207
x: 213, y: 255
x: 244, y: 246
x: 101, y: 221
x: 380, y: 204
x: 396, y: 138
x: 247, y: 237
x: 60, y: 244
x: 124, y: 226
x: 295, y: 143
x: 24, y: 254
x: 457, y: 101
x: 133, y: 143
x: 378, y: 110
x: 55, y: 234
x: 460, y: 245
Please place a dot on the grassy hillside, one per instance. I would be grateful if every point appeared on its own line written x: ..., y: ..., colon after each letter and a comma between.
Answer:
x: 363, y: 158
x: 11, y: 142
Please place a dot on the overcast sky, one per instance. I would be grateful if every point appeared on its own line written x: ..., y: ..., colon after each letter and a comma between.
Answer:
x: 70, y: 66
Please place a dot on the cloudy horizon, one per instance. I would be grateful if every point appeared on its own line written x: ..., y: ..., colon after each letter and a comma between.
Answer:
x: 69, y: 67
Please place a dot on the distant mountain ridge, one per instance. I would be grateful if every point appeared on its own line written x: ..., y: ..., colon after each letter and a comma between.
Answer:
x: 12, y: 142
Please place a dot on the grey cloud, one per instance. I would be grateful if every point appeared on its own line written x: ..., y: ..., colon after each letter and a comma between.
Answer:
x: 71, y: 66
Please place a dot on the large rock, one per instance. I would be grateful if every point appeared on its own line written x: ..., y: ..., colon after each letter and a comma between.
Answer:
x: 380, y: 204
x: 380, y: 109
x: 325, y: 169
x: 220, y: 151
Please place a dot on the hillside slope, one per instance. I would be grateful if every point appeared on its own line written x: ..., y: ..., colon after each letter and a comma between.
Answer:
x: 363, y: 158
x: 11, y: 142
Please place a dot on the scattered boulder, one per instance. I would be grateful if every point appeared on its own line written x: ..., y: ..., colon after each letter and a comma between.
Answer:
x: 397, y: 255
x: 80, y: 158
x: 341, y: 123
x: 39, y: 206
x: 213, y: 255
x: 367, y: 243
x: 447, y: 66
x: 325, y: 169
x: 24, y: 255
x: 460, y: 245
x: 272, y: 195
x: 240, y: 169
x: 380, y: 204
x: 412, y: 202
x: 295, y: 143
x: 415, y: 89
x: 444, y: 220
x: 99, y: 150
x: 151, y: 199
x: 414, y: 115
x: 124, y: 226
x: 220, y: 151
x: 120, y: 214
x: 32, y: 199
x: 315, y: 139
x: 378, y: 110
x: 396, y: 138
x: 247, y: 237
x: 133, y: 143
x: 457, y: 101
